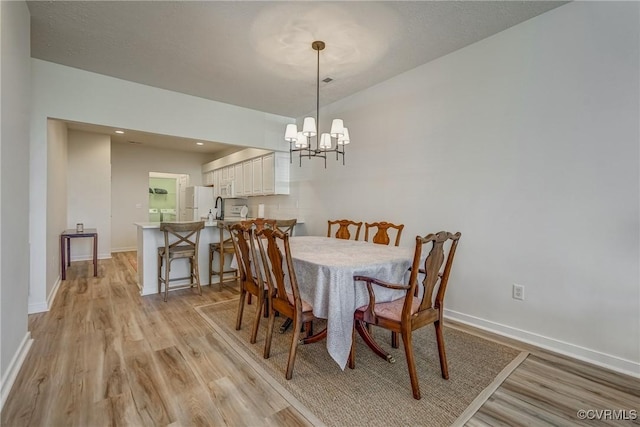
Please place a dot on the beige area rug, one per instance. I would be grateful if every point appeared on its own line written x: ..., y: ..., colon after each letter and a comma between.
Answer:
x: 375, y: 392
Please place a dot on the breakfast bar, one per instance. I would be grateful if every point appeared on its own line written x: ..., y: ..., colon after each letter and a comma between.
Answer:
x: 150, y: 238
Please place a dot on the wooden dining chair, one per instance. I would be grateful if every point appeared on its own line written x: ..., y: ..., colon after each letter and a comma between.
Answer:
x: 249, y: 269
x: 288, y: 303
x: 382, y: 232
x: 181, y: 241
x: 343, y: 229
x: 286, y: 225
x: 410, y: 312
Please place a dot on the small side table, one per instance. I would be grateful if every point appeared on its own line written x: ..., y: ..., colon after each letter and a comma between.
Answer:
x: 65, y: 248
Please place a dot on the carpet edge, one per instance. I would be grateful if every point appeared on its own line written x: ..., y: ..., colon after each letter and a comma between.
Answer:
x: 485, y: 394
x: 286, y: 395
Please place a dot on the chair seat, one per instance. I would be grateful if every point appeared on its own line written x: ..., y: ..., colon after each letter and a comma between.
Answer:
x: 306, y: 307
x: 227, y: 247
x: 391, y: 310
x: 182, y: 251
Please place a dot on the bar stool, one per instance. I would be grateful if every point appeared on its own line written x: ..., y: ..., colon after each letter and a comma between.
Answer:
x: 286, y: 225
x: 186, y: 236
x: 222, y: 247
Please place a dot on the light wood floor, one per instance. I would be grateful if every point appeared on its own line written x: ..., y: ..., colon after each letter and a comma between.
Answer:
x: 104, y: 355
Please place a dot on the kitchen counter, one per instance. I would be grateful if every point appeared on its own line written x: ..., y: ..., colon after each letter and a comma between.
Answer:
x: 150, y: 238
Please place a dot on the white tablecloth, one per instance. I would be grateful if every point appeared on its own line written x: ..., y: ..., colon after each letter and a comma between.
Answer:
x: 325, y: 268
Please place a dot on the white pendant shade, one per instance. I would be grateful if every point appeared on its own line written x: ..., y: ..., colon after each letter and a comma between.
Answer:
x: 291, y: 133
x: 325, y: 141
x: 309, y: 127
x: 344, y: 138
x: 301, y: 141
x: 337, y: 128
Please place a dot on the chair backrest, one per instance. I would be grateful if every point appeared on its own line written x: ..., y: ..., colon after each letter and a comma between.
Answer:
x: 280, y: 270
x: 286, y: 225
x: 182, y: 234
x: 243, y: 238
x: 260, y: 223
x: 432, y: 272
x: 382, y: 233
x: 343, y: 228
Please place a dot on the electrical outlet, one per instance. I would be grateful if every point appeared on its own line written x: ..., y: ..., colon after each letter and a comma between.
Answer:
x: 518, y: 292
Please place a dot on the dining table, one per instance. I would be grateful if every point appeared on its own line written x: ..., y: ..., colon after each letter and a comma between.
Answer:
x: 325, y: 267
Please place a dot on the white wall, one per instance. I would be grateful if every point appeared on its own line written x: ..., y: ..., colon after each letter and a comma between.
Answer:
x: 130, y: 167
x: 89, y: 191
x: 70, y: 94
x: 14, y: 196
x: 56, y: 215
x: 527, y: 143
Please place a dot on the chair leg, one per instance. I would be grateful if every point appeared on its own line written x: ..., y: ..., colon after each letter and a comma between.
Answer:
x: 352, y: 353
x: 243, y: 295
x: 210, y: 265
x: 256, y: 321
x: 167, y: 269
x: 394, y: 339
x: 196, y: 270
x: 221, y: 271
x: 411, y: 363
x: 159, y: 274
x: 267, y: 341
x: 443, y: 356
x: 293, y: 349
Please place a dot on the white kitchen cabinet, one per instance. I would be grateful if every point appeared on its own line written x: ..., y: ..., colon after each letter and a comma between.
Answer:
x: 260, y: 176
x: 247, y: 178
x: 256, y: 165
x: 275, y: 173
x: 216, y: 182
x: 238, y: 178
x: 207, y: 178
x: 268, y: 174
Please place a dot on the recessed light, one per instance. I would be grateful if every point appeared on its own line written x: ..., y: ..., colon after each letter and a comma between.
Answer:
x: 199, y: 143
x: 119, y: 131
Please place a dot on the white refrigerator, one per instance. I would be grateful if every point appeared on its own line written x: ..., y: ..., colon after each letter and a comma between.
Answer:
x: 199, y: 201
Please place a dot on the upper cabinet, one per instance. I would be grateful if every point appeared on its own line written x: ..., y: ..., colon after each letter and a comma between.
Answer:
x: 256, y: 167
x: 238, y: 178
x: 260, y: 176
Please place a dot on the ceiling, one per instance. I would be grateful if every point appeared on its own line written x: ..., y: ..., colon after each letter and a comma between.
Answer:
x: 257, y: 54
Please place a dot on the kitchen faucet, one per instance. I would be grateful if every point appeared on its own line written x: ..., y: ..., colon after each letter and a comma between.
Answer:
x: 219, y: 213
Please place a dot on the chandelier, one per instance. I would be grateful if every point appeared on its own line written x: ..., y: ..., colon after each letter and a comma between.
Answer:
x: 324, y: 143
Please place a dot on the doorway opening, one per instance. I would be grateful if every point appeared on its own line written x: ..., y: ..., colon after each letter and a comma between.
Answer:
x: 167, y: 196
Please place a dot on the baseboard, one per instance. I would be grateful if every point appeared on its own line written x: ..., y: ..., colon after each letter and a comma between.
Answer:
x: 45, y: 306
x: 608, y: 361
x: 14, y: 367
x: 90, y: 257
x: 132, y: 249
x: 54, y: 292
x: 38, y: 307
